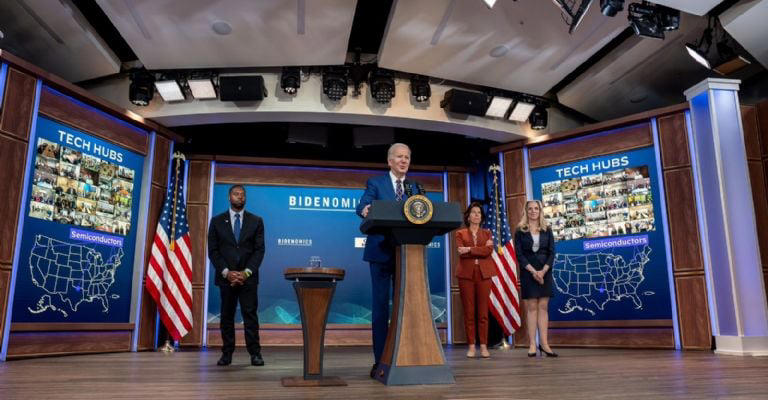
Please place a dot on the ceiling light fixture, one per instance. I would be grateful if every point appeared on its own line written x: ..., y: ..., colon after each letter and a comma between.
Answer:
x: 521, y: 110
x: 382, y: 84
x: 169, y: 90
x: 498, y: 107
x: 538, y: 119
x: 290, y: 79
x: 610, y: 8
x: 652, y: 20
x: 141, y: 89
x: 335, y: 82
x: 420, y: 88
x: 726, y: 60
x: 573, y: 17
x: 201, y: 85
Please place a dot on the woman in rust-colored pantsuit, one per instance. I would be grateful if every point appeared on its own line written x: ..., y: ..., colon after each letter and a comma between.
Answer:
x: 474, y: 273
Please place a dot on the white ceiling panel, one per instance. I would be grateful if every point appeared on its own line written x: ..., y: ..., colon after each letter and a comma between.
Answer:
x: 640, y: 74
x: 55, y: 36
x: 168, y: 34
x: 747, y: 22
x: 695, y: 7
x: 454, y: 39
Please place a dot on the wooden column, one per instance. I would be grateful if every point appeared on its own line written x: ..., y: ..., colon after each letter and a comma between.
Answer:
x: 457, y: 191
x: 755, y: 123
x: 158, y: 187
x: 515, y: 196
x: 16, y: 109
x: 685, y: 243
x: 199, y: 186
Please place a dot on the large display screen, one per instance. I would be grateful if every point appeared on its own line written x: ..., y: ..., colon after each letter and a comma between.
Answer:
x: 611, y: 256
x: 77, y: 249
x: 304, y: 222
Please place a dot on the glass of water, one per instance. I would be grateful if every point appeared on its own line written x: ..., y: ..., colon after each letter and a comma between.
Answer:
x: 315, y: 262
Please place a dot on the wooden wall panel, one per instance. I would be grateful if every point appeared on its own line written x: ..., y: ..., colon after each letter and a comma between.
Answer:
x: 457, y: 320
x: 621, y: 139
x: 156, y: 197
x: 457, y: 192
x: 65, y: 110
x: 760, y: 199
x: 659, y: 338
x: 147, y: 320
x: 674, y: 145
x: 35, y: 344
x: 13, y: 153
x: 693, y: 312
x: 162, y: 155
x: 515, y: 207
x: 5, y: 282
x: 197, y: 216
x: 198, y: 182
x: 751, y: 132
x: 312, y: 177
x: 683, y: 221
x: 762, y: 122
x: 18, y: 104
x: 195, y: 336
x: 514, y: 173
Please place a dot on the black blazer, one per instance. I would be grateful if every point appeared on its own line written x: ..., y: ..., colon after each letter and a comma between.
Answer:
x: 224, y: 252
x: 524, y: 249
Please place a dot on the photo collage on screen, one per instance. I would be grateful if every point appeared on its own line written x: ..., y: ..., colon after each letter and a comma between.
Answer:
x: 604, y: 204
x: 73, y: 188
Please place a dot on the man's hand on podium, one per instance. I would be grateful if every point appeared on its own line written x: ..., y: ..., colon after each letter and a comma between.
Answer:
x: 365, y: 210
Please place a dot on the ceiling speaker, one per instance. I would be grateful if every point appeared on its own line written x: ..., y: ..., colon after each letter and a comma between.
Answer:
x: 464, y: 102
x: 242, y: 88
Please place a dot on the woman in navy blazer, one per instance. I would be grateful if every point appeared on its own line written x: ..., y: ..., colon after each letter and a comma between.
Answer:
x: 535, y: 250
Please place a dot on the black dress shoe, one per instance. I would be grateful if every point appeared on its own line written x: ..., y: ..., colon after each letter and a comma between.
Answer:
x: 532, y: 354
x: 373, y: 370
x: 552, y: 354
x: 257, y: 360
x: 226, y: 359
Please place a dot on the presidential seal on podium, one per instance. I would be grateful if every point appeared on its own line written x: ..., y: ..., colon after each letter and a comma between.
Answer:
x: 418, y: 209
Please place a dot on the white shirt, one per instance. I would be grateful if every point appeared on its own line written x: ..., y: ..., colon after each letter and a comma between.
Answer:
x: 535, y: 237
x: 394, y: 182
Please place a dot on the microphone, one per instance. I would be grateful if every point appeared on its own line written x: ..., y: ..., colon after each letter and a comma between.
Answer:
x: 408, y: 188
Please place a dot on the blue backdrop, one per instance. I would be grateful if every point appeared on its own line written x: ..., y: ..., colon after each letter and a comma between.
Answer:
x: 77, y: 247
x: 611, y: 259
x: 301, y: 222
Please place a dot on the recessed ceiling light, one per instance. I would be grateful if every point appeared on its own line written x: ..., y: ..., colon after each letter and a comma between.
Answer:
x: 221, y: 28
x: 499, y: 51
x: 169, y: 90
x: 498, y: 107
x: 521, y: 111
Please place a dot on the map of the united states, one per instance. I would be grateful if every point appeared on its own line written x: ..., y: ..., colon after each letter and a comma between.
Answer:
x: 71, y: 274
x: 590, y: 281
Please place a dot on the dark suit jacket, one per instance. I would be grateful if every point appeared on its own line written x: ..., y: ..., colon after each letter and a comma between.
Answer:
x: 526, y: 255
x: 225, y: 252
x: 479, y: 252
x: 379, y: 248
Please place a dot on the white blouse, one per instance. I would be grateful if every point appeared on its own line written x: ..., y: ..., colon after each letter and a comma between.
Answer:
x: 535, y: 237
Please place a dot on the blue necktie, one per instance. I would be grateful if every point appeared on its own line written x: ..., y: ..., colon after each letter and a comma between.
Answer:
x: 399, y: 190
x: 237, y: 227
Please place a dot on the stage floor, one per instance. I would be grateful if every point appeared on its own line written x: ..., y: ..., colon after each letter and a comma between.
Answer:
x: 510, y: 374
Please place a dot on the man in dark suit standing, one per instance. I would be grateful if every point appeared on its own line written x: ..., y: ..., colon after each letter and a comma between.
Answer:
x: 236, y: 248
x: 379, y: 249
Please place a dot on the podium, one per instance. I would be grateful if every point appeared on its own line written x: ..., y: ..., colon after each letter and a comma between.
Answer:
x: 413, y: 353
x: 314, y: 289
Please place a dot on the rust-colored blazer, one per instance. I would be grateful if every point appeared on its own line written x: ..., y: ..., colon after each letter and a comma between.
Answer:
x: 478, y: 251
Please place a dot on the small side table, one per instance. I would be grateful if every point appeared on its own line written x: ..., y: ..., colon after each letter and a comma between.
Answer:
x: 314, y: 289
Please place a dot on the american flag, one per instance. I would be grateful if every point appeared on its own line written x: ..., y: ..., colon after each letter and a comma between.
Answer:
x: 169, y: 276
x: 505, y: 297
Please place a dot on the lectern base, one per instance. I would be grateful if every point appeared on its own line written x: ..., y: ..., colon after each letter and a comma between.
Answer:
x: 415, y: 375
x: 299, y: 381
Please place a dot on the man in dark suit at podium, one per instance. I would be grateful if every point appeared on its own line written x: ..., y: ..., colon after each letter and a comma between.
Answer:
x: 236, y: 248
x: 380, y: 250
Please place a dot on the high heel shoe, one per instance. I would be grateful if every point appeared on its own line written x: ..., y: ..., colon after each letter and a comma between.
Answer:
x: 532, y: 354
x: 552, y: 354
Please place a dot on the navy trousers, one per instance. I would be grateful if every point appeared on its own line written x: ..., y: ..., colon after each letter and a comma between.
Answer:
x: 382, y: 285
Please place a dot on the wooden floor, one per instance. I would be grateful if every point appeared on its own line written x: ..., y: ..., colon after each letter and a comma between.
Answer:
x: 577, y: 374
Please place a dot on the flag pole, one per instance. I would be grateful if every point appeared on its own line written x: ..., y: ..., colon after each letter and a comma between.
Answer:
x: 495, y: 169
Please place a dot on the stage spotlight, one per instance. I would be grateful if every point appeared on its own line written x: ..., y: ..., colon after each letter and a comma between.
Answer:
x: 610, y: 8
x: 698, y: 54
x: 169, y: 90
x: 538, y: 118
x: 335, y: 82
x: 420, y: 88
x: 521, y: 111
x: 201, y: 85
x: 577, y: 15
x: 382, y: 85
x: 651, y: 20
x: 498, y: 107
x: 727, y: 61
x: 142, y: 88
x: 290, y: 79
